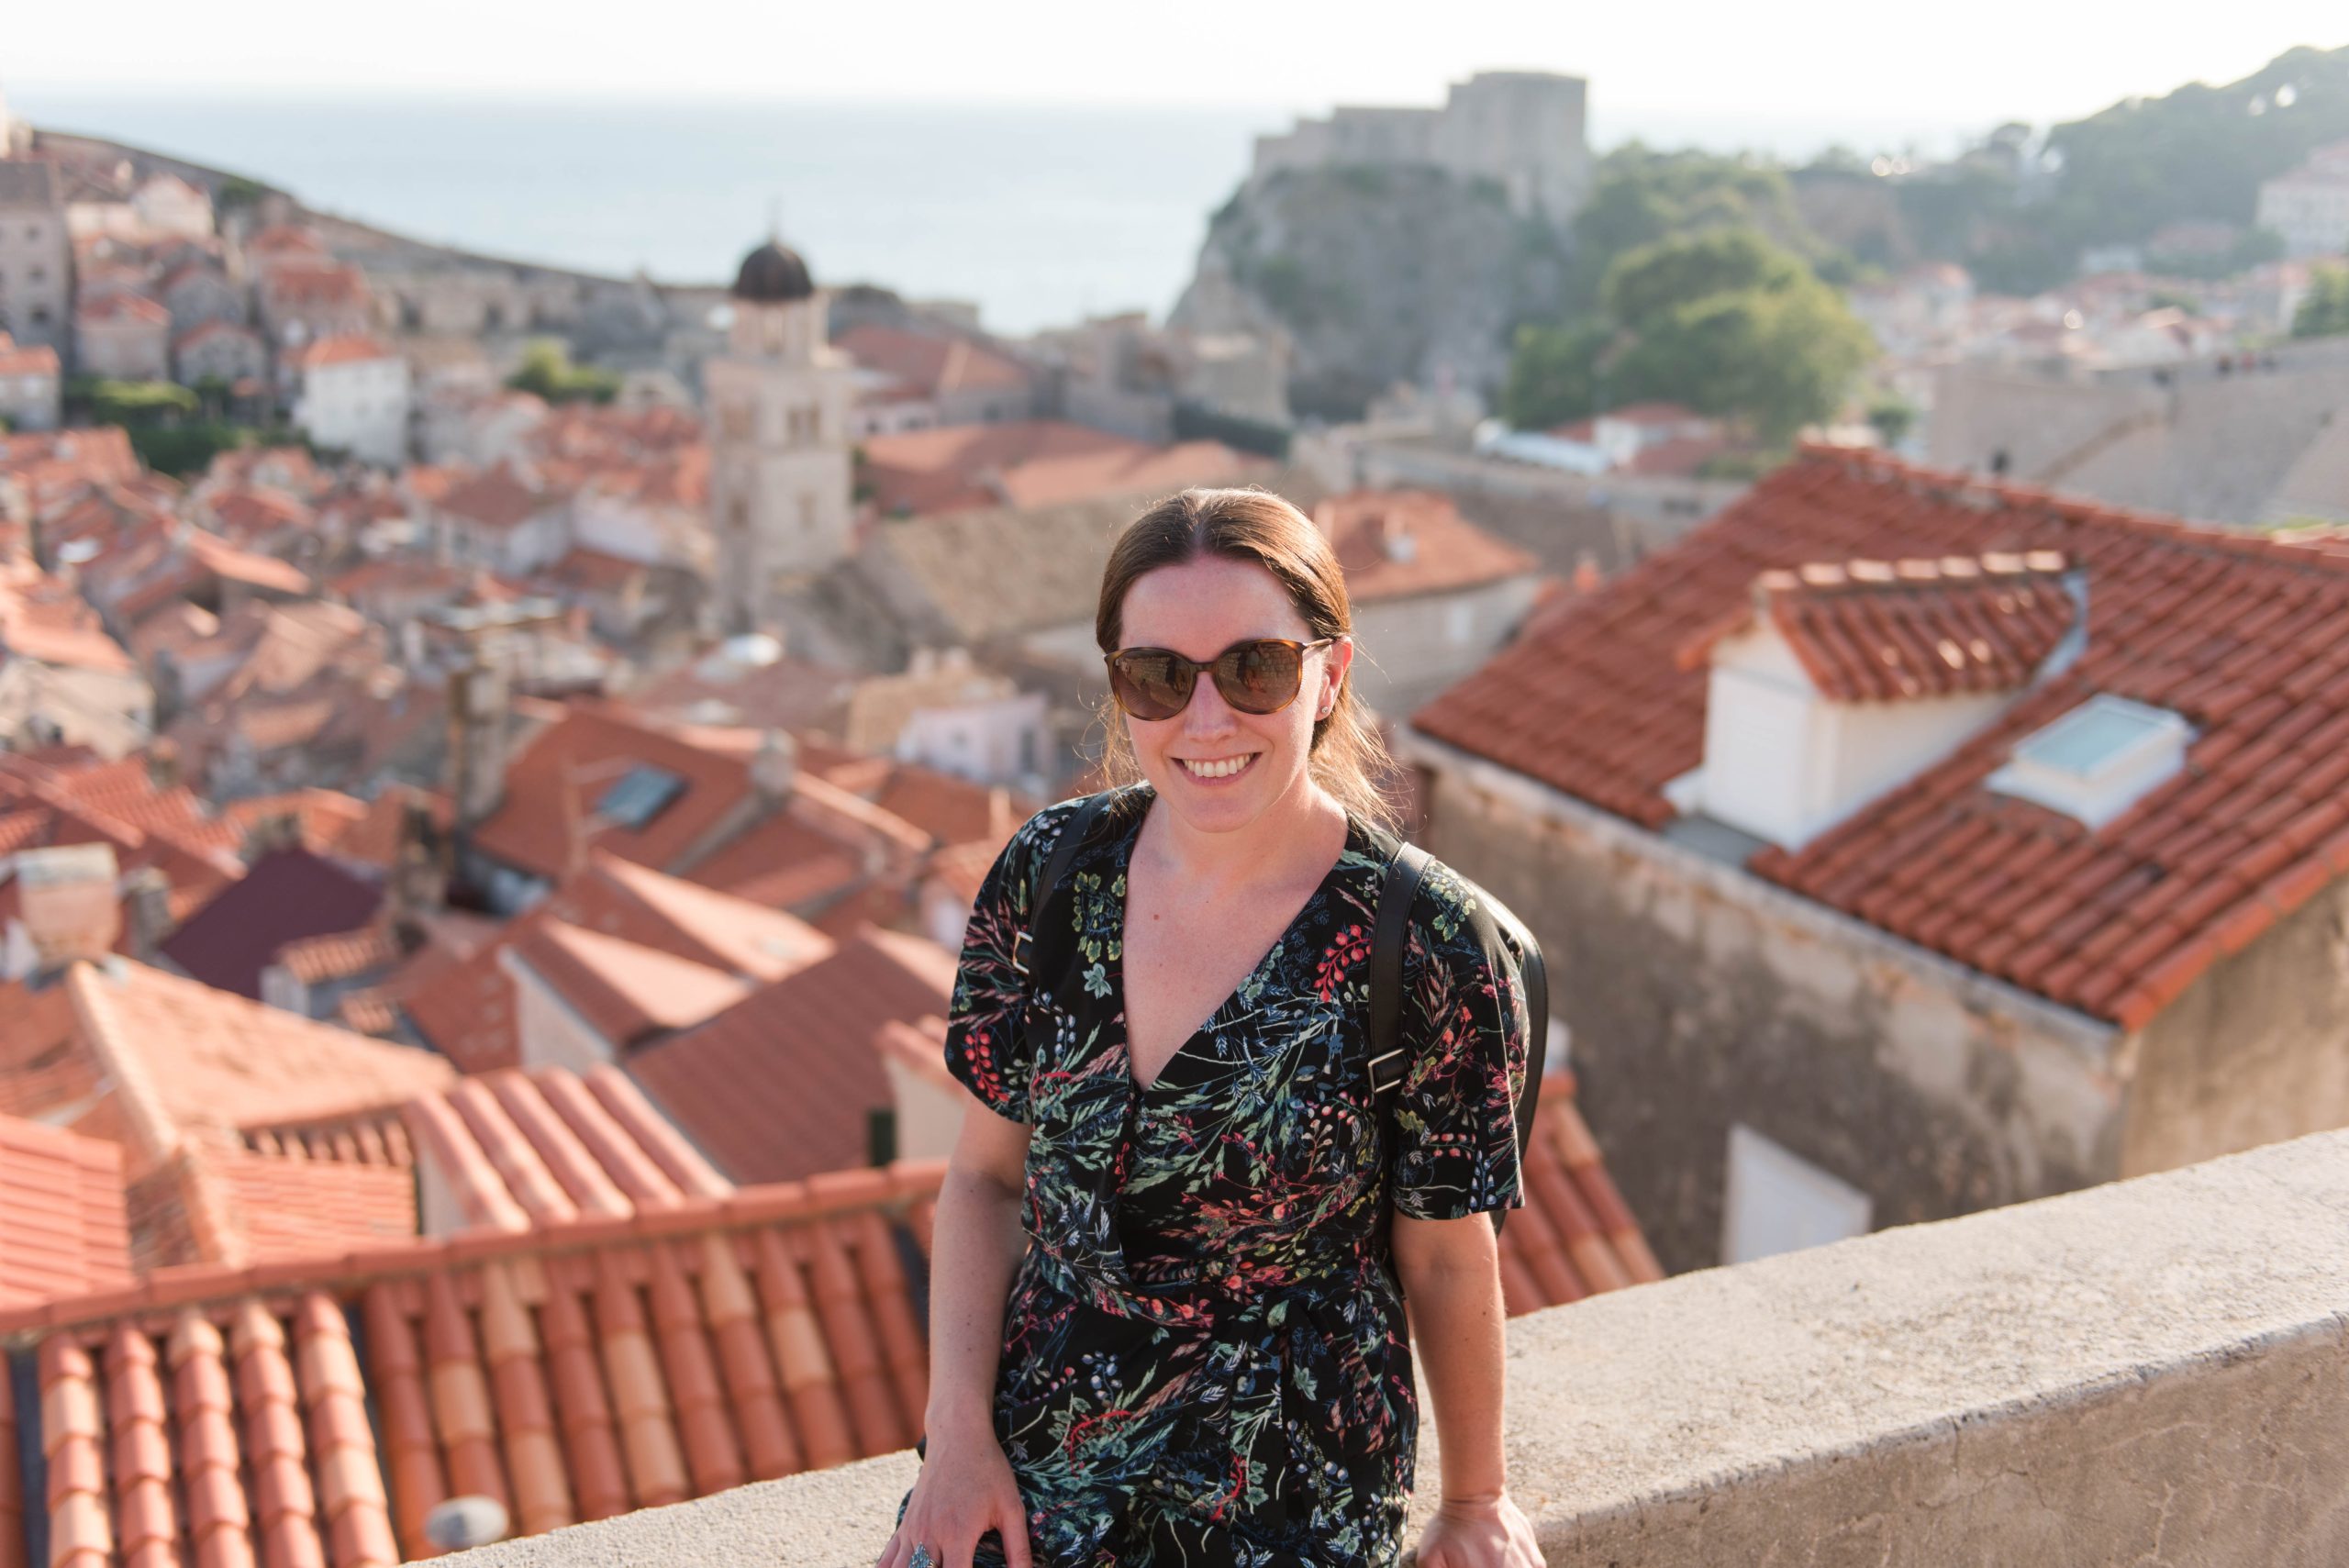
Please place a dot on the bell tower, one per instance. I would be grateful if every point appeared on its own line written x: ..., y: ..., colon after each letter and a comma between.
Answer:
x: 779, y: 480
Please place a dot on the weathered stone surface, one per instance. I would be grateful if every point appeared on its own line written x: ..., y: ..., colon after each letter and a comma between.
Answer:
x: 1378, y: 275
x: 2150, y: 1372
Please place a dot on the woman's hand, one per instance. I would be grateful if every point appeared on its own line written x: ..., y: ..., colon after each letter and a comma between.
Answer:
x: 1484, y: 1532
x: 965, y: 1489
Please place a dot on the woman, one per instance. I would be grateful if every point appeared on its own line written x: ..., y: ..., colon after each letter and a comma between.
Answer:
x: 1202, y: 1356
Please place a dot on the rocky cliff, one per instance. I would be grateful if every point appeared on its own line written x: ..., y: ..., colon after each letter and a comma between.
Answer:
x: 1376, y: 275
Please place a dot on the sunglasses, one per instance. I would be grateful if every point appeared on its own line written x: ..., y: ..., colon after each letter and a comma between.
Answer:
x: 1260, y: 675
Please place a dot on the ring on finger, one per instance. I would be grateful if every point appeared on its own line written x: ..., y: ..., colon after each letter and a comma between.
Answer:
x: 921, y: 1558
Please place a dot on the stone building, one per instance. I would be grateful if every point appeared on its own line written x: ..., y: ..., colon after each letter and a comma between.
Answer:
x: 779, y: 484
x: 36, y: 254
x: 1876, y: 891
x: 2310, y: 205
x: 123, y: 336
x: 1523, y: 128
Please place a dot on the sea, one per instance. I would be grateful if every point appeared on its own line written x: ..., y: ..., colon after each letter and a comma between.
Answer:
x: 1040, y: 215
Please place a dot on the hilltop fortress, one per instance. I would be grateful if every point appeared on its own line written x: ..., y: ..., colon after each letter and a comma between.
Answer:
x: 1523, y: 128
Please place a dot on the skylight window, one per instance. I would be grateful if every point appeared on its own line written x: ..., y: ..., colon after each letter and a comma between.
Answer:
x: 639, y: 796
x: 2099, y: 760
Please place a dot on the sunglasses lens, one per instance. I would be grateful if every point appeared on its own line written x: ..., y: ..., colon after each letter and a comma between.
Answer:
x: 1150, y: 684
x: 1258, y: 677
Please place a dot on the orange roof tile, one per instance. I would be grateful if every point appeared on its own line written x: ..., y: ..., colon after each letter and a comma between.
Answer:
x: 62, y: 1230
x: 574, y: 1371
x: 1573, y: 1238
x: 1398, y: 544
x: 188, y: 1057
x: 343, y: 349
x: 517, y: 1150
x: 496, y: 499
x: 623, y: 991
x: 1884, y: 631
x: 559, y: 778
x: 2245, y: 638
x: 467, y: 1009
x: 779, y: 1086
x: 928, y: 364
x: 1034, y: 463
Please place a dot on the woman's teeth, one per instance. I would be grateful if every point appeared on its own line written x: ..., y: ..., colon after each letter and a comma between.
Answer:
x: 1222, y: 769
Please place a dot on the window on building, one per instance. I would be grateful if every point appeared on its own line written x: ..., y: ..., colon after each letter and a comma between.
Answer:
x: 734, y: 421
x: 738, y: 515
x: 806, y: 514
x: 1779, y: 1202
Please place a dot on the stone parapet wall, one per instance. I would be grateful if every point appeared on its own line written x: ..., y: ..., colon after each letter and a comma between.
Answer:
x: 2149, y: 1371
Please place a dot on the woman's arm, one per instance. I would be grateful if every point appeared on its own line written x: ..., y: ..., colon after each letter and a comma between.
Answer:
x: 974, y: 1247
x: 1449, y: 1270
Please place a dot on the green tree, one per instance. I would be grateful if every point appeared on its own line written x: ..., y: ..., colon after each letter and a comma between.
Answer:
x: 1893, y: 419
x: 1651, y: 282
x: 1733, y: 326
x: 1555, y: 375
x: 2325, y: 310
x: 547, y: 370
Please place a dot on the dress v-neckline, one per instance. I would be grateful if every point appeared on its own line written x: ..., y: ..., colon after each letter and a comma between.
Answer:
x: 1117, y: 977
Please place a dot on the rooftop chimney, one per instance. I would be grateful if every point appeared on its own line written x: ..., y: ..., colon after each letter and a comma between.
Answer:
x: 69, y: 902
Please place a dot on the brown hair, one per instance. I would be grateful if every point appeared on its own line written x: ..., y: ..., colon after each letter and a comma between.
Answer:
x: 1255, y: 525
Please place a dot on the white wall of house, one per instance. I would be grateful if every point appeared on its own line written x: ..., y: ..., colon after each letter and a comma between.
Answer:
x: 929, y: 1114
x: 123, y: 349
x: 1003, y: 740
x: 30, y: 402
x: 360, y: 405
x: 550, y: 1032
x: 1785, y: 763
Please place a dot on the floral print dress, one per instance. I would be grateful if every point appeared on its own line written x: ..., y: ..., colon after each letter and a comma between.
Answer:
x: 1204, y: 1354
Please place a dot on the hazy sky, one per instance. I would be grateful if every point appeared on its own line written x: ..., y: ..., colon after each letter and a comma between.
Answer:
x: 2036, y: 60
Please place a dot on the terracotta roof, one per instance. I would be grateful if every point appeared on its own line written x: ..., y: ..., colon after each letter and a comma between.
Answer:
x: 1885, y: 630
x: 779, y: 1086
x: 374, y: 837
x: 782, y: 864
x: 496, y: 499
x: 224, y: 560
x: 52, y: 461
x: 181, y: 1055
x: 950, y: 810
x: 1034, y: 463
x: 62, y: 1230
x: 1573, y: 1238
x: 705, y: 924
x: 286, y: 238
x: 594, y: 571
x: 26, y: 358
x: 929, y: 365
x: 284, y: 897
x: 517, y: 1150
x: 466, y: 1006
x: 339, y: 955
x: 2246, y: 639
x: 298, y: 284
x: 122, y: 307
x: 343, y: 349
x: 1398, y: 544
x: 621, y: 990
x: 572, y: 1372
x: 205, y: 331
x: 559, y: 778
x: 322, y: 816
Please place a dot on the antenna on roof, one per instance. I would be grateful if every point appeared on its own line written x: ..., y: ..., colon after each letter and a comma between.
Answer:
x: 774, y: 219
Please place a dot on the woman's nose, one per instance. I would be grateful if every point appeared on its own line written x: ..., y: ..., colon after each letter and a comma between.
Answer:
x: 1207, y: 714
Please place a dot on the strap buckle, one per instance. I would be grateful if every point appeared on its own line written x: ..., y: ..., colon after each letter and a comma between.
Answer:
x: 1019, y: 944
x: 1393, y: 1078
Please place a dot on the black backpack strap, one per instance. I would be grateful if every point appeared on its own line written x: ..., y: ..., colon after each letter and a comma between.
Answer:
x: 1052, y: 885
x: 1399, y: 889
x: 1398, y: 892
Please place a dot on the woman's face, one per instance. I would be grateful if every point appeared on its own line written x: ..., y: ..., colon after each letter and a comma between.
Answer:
x: 1199, y: 609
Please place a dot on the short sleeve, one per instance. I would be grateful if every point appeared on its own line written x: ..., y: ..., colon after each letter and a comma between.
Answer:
x: 985, y: 1047
x: 1464, y: 1033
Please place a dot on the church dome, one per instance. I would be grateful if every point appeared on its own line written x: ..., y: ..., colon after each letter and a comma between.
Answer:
x: 772, y: 276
